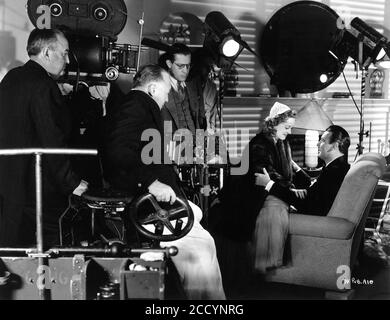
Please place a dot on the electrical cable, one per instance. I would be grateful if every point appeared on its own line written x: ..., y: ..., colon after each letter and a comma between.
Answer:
x: 76, y: 89
x: 350, y: 92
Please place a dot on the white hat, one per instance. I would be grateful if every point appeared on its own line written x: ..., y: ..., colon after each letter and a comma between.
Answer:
x: 278, y: 108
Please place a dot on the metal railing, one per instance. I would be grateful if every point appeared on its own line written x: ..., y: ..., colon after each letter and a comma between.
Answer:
x: 38, y: 153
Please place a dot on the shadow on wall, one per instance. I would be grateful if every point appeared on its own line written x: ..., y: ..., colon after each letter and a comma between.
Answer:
x: 263, y: 86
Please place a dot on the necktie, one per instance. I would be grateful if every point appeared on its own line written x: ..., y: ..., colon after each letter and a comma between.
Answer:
x: 181, y: 89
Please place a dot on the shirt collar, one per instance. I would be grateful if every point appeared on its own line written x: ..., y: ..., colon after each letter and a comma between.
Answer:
x: 175, y: 83
x: 333, y: 161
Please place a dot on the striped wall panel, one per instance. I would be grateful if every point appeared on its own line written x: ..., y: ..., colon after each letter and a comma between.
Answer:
x: 249, y: 113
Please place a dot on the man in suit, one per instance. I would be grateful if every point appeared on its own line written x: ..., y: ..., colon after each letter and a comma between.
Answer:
x: 125, y: 168
x: 33, y: 114
x: 185, y: 106
x: 319, y: 197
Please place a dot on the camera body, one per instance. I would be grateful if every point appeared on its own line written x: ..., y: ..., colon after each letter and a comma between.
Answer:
x: 99, y: 58
x: 91, y: 27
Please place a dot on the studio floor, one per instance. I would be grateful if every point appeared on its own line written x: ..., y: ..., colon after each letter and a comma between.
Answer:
x: 373, y: 266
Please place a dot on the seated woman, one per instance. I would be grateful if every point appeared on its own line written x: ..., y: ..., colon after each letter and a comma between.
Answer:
x: 271, y: 151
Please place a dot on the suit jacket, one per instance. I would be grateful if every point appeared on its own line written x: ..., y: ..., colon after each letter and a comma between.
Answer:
x: 321, y: 194
x: 195, y: 94
x: 122, y: 147
x: 33, y: 114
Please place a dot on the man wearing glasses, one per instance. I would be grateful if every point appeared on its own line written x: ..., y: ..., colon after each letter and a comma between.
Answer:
x: 185, y: 107
x: 33, y: 114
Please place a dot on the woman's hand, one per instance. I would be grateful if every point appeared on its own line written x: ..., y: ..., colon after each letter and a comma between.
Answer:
x: 262, y: 179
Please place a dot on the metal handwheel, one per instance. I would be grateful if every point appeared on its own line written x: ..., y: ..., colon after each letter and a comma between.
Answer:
x: 162, y: 219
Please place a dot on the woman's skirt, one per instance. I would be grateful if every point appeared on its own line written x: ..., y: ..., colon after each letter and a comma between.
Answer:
x: 270, y: 234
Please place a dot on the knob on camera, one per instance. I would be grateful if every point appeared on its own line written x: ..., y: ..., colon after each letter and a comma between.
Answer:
x: 56, y: 9
x: 112, y: 73
x: 100, y: 12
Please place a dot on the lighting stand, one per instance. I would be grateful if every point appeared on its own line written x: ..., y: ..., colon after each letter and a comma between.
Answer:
x: 221, y: 94
x: 205, y: 172
x: 362, y: 133
x: 363, y: 65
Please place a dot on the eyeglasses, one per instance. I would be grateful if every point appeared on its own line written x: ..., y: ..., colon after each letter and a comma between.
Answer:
x: 181, y: 66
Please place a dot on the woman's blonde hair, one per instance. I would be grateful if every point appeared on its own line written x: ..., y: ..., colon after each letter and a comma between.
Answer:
x: 270, y: 123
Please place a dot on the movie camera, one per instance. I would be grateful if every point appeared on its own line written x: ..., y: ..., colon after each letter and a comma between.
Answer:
x: 109, y: 242
x: 91, y: 27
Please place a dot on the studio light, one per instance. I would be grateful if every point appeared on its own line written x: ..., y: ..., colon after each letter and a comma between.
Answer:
x: 370, y: 33
x: 230, y: 47
x: 295, y: 47
x: 362, y: 43
x: 223, y: 40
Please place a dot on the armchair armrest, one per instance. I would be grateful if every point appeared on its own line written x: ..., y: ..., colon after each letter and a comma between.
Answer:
x: 321, y: 227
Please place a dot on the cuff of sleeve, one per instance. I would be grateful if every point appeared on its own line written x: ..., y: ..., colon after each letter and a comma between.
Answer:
x: 269, y: 185
x: 82, y: 187
x: 146, y: 181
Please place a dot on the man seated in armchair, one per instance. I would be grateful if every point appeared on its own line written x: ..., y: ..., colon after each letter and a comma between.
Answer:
x: 325, y: 240
x: 319, y: 197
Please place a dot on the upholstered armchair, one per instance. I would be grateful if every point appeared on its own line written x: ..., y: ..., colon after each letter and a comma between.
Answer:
x: 323, y: 249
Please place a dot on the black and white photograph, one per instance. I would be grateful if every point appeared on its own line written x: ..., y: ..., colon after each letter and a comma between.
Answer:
x: 192, y: 157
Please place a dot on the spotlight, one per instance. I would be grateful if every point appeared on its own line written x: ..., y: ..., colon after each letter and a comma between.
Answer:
x: 223, y: 40
x: 362, y: 43
x: 368, y: 31
x: 230, y: 47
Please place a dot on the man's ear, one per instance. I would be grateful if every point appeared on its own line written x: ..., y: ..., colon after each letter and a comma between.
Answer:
x: 46, y: 53
x: 168, y: 63
x: 151, y: 89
